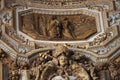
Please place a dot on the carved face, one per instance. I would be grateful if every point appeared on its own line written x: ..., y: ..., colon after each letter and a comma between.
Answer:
x: 63, y: 60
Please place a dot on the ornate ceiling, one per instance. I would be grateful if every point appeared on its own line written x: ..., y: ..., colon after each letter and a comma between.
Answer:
x: 60, y: 39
